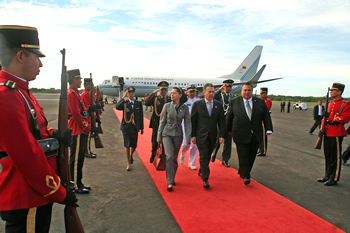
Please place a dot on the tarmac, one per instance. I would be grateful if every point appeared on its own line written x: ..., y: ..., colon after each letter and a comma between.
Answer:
x: 122, y: 201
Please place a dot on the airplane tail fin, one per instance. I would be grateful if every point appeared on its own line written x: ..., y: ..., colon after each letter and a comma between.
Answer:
x: 247, y: 69
x: 257, y: 76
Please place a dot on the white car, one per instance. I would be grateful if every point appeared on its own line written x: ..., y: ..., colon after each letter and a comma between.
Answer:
x: 300, y: 106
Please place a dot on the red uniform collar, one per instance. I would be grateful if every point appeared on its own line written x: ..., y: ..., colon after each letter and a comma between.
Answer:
x: 20, y: 83
x: 340, y: 99
x: 74, y: 89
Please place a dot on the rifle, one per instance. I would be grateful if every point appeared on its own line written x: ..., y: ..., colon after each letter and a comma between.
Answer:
x: 98, y: 103
x: 71, y: 217
x: 98, y: 141
x: 323, y: 127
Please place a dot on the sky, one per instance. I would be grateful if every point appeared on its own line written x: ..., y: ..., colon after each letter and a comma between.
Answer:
x: 305, y: 41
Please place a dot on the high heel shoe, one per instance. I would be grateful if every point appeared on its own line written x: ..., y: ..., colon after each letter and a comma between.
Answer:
x: 170, y: 188
x: 131, y: 161
x: 128, y: 169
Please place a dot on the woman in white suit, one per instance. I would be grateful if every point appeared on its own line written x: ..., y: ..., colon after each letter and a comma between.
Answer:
x: 170, y: 131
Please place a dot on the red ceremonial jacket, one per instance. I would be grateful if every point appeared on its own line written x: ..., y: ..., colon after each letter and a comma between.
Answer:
x: 343, y: 117
x: 85, y: 97
x: 28, y: 179
x: 77, y: 123
x: 268, y: 103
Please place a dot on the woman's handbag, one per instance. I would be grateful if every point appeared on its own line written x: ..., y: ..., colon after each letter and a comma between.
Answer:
x: 158, y: 159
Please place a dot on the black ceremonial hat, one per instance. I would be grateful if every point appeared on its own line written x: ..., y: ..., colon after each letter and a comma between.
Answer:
x: 228, y: 82
x: 163, y: 85
x: 338, y: 86
x: 15, y: 36
x: 131, y: 89
x: 73, y: 74
x: 263, y: 90
x: 87, y: 81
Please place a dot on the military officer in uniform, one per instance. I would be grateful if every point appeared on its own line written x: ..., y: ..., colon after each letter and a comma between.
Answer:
x: 85, y: 97
x: 29, y: 183
x: 263, y: 144
x: 191, y: 94
x: 157, y: 102
x: 338, y: 114
x: 78, y: 121
x: 224, y: 95
x: 131, y: 124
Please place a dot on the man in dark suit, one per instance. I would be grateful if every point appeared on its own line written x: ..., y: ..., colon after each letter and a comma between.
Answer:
x: 243, y: 121
x: 283, y: 104
x: 318, y: 112
x: 206, y: 114
x: 288, y: 107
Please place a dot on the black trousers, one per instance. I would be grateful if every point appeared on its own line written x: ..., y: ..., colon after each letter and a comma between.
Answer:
x: 226, y: 153
x: 263, y: 143
x: 332, y: 153
x: 246, y: 156
x: 77, y: 155
x: 154, y: 141
x: 204, y: 157
x: 317, y: 123
x: 37, y: 219
x: 346, y: 154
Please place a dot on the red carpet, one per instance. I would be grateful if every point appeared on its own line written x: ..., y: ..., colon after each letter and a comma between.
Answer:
x: 228, y: 205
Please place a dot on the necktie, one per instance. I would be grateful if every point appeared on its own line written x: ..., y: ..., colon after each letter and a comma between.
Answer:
x: 164, y: 100
x: 209, y: 108
x: 249, y: 110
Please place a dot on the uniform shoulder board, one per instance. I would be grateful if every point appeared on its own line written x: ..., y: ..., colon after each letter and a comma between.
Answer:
x: 72, y: 90
x: 345, y: 101
x: 10, y: 84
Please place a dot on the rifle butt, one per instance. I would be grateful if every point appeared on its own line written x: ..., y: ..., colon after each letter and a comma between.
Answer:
x: 318, y: 143
x: 98, y: 141
x: 72, y: 220
x: 100, y: 131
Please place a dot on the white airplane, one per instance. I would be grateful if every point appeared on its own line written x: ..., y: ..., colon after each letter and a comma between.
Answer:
x: 246, y: 72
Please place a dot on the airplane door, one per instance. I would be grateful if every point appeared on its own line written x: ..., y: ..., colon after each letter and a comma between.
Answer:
x: 121, y: 83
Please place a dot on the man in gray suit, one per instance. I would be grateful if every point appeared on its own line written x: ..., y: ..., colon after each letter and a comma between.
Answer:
x: 244, y: 118
x: 206, y: 114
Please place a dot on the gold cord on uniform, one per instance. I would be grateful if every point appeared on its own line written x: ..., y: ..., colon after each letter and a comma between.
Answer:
x: 131, y: 117
x: 155, y: 107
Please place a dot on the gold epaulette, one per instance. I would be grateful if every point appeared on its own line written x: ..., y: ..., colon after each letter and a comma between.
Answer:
x: 345, y: 101
x: 71, y: 90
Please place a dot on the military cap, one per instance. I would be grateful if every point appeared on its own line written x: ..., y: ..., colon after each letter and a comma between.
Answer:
x: 131, y: 89
x: 163, y: 85
x: 263, y: 90
x: 15, y: 36
x: 191, y: 87
x: 338, y: 86
x: 73, y: 74
x: 87, y: 81
x: 228, y: 82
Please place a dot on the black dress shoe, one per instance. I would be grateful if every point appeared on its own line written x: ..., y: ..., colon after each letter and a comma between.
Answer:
x: 330, y: 182
x: 151, y: 159
x: 206, y: 184
x: 324, y: 179
x: 170, y: 188
x: 82, y: 190
x: 261, y: 154
x: 85, y: 187
x: 174, y: 183
x: 90, y: 156
x: 310, y: 133
x: 246, y: 181
x: 200, y: 174
x: 225, y: 163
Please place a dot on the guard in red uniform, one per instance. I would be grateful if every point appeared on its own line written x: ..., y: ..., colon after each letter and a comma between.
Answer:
x: 29, y: 183
x: 78, y: 122
x: 263, y: 144
x: 338, y: 114
x: 85, y: 97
